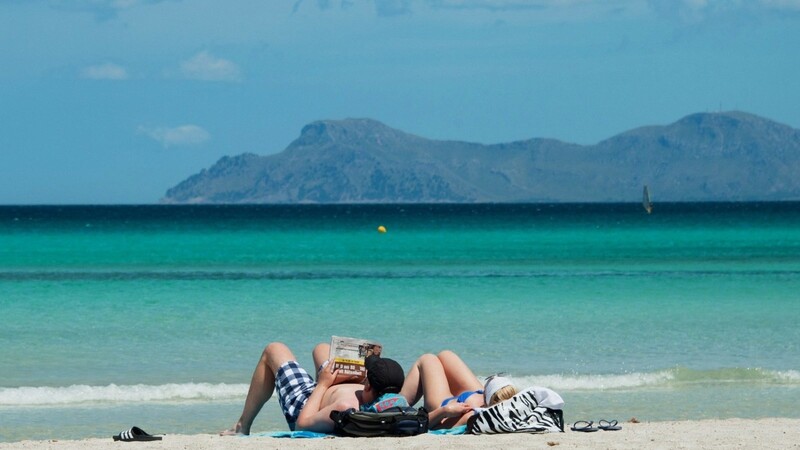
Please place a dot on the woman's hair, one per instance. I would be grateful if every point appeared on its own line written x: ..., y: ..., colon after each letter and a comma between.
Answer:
x: 503, y: 394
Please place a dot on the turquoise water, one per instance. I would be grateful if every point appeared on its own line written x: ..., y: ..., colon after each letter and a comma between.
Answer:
x: 156, y: 315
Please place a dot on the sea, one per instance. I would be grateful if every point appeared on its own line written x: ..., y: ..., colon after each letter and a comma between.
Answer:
x: 156, y: 315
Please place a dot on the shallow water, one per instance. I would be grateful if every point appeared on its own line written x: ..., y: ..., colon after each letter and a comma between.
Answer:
x: 157, y: 314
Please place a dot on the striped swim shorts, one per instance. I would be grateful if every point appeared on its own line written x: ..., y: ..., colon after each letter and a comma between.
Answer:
x: 294, y: 386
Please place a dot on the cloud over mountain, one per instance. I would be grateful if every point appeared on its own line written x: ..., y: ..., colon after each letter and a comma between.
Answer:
x: 184, y: 135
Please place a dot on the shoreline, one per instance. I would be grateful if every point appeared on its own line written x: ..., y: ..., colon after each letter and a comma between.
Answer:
x: 703, y: 434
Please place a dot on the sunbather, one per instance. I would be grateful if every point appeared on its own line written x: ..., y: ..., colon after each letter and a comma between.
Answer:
x: 307, y: 404
x: 451, y: 391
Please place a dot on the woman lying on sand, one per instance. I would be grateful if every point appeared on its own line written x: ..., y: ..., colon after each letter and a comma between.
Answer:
x: 452, y: 392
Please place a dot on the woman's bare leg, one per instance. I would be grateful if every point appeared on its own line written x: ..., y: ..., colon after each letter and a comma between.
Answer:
x: 459, y: 376
x: 412, y: 386
x: 261, y: 385
x: 426, y: 378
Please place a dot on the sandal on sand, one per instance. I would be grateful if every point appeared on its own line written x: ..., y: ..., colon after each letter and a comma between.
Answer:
x: 135, y: 434
x: 605, y: 425
x: 583, y: 426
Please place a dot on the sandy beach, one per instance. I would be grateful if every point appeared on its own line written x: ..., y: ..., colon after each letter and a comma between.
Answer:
x: 705, y: 434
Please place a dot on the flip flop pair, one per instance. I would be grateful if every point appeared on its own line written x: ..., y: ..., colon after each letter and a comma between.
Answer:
x: 135, y: 434
x: 588, y: 426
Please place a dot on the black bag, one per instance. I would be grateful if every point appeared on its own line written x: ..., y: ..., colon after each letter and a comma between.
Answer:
x: 395, y: 421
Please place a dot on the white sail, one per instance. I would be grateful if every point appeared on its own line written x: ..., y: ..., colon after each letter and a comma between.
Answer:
x: 648, y: 206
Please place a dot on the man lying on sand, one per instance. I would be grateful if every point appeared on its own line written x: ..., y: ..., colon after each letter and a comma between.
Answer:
x: 306, y: 404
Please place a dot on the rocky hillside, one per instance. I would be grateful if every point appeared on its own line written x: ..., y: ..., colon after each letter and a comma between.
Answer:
x: 732, y: 156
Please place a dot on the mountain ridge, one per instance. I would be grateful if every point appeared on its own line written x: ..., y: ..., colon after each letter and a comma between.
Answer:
x: 725, y: 156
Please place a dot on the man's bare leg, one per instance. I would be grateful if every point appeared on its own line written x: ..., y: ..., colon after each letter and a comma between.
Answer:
x: 321, y: 353
x: 261, y: 386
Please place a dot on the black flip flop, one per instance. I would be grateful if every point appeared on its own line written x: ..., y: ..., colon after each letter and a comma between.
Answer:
x: 583, y: 426
x: 135, y: 434
x: 605, y: 425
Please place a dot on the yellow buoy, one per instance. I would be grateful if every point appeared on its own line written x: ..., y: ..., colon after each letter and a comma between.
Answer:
x: 381, y: 229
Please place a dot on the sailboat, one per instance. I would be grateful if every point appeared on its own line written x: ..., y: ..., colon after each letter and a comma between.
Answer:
x: 646, y: 200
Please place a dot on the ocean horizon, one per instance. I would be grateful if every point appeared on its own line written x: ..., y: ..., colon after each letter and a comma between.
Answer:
x: 155, y: 315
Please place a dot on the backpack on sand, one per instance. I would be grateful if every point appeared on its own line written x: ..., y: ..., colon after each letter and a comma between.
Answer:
x: 395, y: 421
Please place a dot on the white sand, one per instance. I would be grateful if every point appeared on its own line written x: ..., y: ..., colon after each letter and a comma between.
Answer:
x: 706, y: 434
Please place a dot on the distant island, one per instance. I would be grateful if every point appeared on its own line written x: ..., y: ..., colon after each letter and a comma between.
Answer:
x: 727, y: 156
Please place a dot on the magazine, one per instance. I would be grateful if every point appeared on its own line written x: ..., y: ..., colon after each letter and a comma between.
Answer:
x: 348, y: 354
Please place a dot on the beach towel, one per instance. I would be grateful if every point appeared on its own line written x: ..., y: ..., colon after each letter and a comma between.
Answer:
x: 534, y: 410
x: 461, y: 429
x: 294, y: 434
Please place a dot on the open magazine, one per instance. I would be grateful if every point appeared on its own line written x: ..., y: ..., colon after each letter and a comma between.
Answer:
x: 348, y: 354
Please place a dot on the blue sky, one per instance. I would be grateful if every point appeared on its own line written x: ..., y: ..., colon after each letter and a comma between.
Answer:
x: 115, y: 101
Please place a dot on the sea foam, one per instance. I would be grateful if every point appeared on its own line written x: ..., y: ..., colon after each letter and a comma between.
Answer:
x: 675, y: 378
x: 76, y: 395
x: 596, y: 381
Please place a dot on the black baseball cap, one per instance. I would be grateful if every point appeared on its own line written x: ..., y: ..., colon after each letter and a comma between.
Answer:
x: 385, y: 375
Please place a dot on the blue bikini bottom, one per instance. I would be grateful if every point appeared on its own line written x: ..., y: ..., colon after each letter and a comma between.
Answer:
x: 462, y: 397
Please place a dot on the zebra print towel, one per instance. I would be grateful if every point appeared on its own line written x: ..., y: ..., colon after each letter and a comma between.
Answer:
x: 534, y: 410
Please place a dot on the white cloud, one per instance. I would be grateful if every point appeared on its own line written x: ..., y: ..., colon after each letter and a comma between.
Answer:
x: 791, y: 5
x: 102, y: 9
x: 205, y: 66
x: 512, y: 5
x: 183, y: 135
x: 522, y: 5
x: 107, y: 71
x: 685, y: 11
x: 697, y: 11
x: 502, y: 4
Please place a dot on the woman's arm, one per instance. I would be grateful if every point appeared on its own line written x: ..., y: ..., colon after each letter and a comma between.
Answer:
x: 452, y: 409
